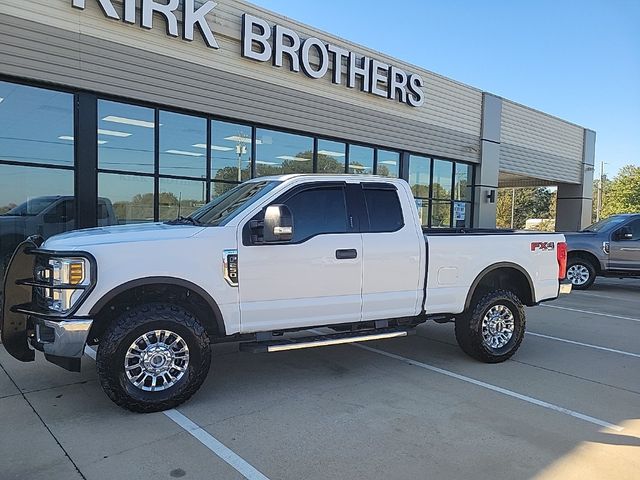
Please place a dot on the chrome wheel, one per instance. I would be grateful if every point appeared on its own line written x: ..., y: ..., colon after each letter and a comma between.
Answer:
x: 578, y: 274
x: 156, y: 360
x: 497, y: 326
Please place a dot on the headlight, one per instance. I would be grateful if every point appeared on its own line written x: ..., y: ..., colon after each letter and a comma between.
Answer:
x: 64, y: 273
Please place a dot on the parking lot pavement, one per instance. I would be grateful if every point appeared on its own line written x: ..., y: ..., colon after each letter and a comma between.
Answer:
x: 566, y: 406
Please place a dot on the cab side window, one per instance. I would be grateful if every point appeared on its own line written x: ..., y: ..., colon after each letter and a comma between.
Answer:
x: 318, y: 211
x: 384, y: 209
x: 635, y: 228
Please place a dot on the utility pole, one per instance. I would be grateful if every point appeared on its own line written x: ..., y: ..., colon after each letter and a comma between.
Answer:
x: 513, y: 205
x: 599, y: 204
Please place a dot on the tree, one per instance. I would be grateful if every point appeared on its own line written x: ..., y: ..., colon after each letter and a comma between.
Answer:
x: 623, y: 193
x: 6, y: 208
x: 531, y: 202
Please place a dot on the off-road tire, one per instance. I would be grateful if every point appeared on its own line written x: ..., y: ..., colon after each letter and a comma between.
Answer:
x: 127, y: 327
x: 468, y: 327
x: 573, y: 261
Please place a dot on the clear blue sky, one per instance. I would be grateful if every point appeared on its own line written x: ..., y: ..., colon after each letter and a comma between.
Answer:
x: 578, y: 60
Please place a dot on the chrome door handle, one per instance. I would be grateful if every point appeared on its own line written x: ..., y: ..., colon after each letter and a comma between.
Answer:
x: 346, y: 254
x: 630, y: 249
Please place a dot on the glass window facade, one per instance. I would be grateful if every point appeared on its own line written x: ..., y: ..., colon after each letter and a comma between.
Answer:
x: 332, y: 156
x: 443, y: 191
x: 388, y: 164
x: 360, y: 159
x: 37, y: 193
x: 156, y: 164
x: 183, y: 150
x: 125, y: 137
x: 281, y: 153
x: 131, y: 196
x: 231, y: 151
x: 179, y: 197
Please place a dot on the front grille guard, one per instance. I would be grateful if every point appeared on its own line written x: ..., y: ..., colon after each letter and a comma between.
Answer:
x: 23, y: 295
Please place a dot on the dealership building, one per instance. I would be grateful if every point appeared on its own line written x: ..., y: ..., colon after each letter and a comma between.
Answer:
x: 121, y: 111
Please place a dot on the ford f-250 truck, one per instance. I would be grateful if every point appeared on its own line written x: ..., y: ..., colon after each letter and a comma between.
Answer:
x: 271, y: 257
x: 608, y: 248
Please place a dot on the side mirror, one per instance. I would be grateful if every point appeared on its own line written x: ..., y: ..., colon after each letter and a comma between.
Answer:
x: 278, y: 224
x: 625, y: 233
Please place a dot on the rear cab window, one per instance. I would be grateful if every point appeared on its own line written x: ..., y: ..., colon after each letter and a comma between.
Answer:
x: 383, y: 207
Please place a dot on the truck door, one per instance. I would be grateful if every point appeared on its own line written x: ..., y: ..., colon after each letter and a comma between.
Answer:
x: 393, y: 251
x: 625, y: 253
x: 314, y: 279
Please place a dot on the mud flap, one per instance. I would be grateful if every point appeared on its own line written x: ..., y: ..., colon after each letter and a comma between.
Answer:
x: 13, y: 325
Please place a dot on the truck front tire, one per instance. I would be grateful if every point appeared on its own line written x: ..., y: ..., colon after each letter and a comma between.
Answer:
x: 493, y: 330
x: 153, y: 357
x: 581, y: 273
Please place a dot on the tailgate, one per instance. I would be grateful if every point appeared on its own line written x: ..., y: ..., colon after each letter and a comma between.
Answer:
x: 13, y: 325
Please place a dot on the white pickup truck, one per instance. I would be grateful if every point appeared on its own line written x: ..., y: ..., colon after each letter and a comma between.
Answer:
x: 270, y: 259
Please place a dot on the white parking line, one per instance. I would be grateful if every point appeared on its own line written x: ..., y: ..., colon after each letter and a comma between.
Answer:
x: 495, y: 388
x: 591, y: 313
x: 243, y: 467
x: 598, y: 295
x: 597, y: 347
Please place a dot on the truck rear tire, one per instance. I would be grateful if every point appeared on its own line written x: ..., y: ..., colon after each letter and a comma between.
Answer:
x: 581, y: 273
x: 493, y: 331
x: 153, y: 357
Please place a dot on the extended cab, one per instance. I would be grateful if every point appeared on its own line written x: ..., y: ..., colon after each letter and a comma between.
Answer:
x: 608, y: 248
x: 274, y: 256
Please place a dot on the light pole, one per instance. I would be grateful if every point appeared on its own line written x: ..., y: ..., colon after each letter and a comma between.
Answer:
x: 599, y: 204
x: 241, y: 149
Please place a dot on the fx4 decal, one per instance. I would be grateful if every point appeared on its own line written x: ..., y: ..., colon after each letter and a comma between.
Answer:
x: 544, y: 246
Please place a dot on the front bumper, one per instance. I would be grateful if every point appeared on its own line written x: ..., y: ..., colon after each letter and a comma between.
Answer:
x: 62, y: 338
x: 24, y: 325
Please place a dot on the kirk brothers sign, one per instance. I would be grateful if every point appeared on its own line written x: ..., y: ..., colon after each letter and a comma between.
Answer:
x: 262, y: 42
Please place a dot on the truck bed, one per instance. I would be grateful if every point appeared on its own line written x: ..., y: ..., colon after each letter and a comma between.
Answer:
x: 478, y: 231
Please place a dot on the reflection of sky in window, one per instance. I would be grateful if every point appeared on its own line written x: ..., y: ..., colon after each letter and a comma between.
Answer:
x: 388, y: 163
x: 331, y: 156
x: 419, y: 175
x: 360, y: 159
x: 230, y: 145
x: 19, y: 184
x: 129, y: 133
x: 182, y: 139
x: 32, y: 120
x: 276, y: 148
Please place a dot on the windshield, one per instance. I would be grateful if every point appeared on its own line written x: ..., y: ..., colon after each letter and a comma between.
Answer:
x: 225, y: 207
x: 32, y: 207
x: 605, y: 224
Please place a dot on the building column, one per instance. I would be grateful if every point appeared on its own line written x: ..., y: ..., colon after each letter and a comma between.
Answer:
x: 575, y: 202
x: 486, y: 181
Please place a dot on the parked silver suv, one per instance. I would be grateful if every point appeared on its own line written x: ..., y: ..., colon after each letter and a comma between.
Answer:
x: 608, y: 248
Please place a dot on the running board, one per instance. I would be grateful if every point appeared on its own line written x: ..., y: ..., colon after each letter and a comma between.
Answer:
x: 282, y: 345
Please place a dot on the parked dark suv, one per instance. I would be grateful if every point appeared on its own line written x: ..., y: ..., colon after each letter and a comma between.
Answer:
x: 608, y: 248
